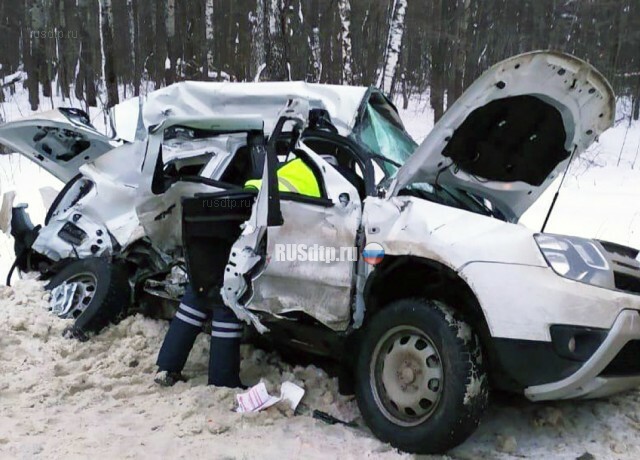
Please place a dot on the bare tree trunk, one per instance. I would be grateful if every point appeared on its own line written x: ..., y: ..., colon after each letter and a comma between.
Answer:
x: 45, y: 53
x: 208, y: 27
x: 636, y: 101
x: 344, y: 8
x: 460, y: 55
x: 258, y: 54
x: 170, y: 27
x: 314, y: 66
x: 386, y: 78
x: 68, y: 48
x: 135, y: 48
x: 110, y: 73
x: 437, y: 63
x: 276, y: 59
x: 88, y: 55
x: 31, y: 47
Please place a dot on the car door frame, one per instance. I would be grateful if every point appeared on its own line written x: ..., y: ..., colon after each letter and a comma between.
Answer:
x: 247, y: 263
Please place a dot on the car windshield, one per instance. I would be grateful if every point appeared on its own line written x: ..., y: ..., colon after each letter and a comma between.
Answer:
x: 388, y: 141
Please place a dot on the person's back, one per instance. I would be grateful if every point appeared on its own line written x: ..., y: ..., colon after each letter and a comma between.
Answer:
x: 295, y: 177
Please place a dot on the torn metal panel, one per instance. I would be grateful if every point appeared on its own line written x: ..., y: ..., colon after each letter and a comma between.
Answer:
x: 102, y: 198
x: 160, y: 215
x: 321, y: 289
x: 245, y: 255
x: 73, y: 235
x: 363, y: 270
x: 206, y: 99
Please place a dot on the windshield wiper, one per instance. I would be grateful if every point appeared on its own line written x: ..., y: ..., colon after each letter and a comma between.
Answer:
x: 466, y: 205
x: 387, y: 160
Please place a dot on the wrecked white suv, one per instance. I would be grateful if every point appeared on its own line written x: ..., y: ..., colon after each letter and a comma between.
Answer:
x: 111, y: 241
x: 462, y: 296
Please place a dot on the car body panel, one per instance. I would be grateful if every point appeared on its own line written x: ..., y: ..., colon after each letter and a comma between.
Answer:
x: 581, y: 104
x: 56, y: 141
x: 454, y: 237
x: 266, y: 99
x: 320, y: 288
x: 549, y: 299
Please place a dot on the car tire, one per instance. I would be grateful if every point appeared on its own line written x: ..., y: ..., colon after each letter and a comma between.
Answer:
x: 101, y: 294
x: 421, y: 384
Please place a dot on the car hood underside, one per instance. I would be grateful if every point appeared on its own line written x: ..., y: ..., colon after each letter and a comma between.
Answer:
x: 514, y: 130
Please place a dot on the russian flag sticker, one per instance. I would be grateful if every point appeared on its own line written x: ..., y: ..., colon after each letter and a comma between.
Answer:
x: 373, y: 253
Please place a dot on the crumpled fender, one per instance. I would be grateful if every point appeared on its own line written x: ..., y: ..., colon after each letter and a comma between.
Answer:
x: 409, y: 226
x: 96, y: 244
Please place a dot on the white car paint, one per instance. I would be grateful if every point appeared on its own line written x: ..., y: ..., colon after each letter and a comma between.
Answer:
x: 579, y: 92
x: 27, y: 136
x: 205, y: 99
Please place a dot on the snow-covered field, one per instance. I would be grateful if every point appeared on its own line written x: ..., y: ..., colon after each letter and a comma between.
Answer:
x: 64, y: 399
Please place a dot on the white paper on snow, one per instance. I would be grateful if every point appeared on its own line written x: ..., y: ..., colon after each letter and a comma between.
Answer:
x: 257, y: 398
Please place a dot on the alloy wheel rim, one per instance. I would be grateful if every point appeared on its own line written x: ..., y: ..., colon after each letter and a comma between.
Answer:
x: 84, y: 285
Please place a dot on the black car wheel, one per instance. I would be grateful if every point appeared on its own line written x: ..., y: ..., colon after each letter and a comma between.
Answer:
x: 420, y: 380
x: 94, y: 292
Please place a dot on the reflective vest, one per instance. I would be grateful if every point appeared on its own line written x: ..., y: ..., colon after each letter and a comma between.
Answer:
x: 295, y: 177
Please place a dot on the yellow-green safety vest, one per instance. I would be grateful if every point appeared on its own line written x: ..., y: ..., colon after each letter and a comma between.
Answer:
x: 295, y: 177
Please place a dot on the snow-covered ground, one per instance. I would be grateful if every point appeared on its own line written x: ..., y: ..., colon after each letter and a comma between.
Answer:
x: 64, y: 399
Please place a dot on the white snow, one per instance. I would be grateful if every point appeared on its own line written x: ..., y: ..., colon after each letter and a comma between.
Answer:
x: 64, y: 399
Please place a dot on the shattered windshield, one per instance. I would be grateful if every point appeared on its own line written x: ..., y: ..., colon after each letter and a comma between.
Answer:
x: 388, y: 141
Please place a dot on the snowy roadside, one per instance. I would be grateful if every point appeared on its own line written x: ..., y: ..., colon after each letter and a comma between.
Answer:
x: 64, y: 399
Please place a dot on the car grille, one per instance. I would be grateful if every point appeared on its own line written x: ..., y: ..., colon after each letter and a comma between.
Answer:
x: 626, y: 268
x: 626, y: 362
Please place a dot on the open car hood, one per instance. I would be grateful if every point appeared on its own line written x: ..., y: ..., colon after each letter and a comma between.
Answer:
x: 514, y: 130
x: 59, y: 140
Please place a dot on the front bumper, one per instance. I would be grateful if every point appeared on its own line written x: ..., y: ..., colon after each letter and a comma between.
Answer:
x: 588, y: 381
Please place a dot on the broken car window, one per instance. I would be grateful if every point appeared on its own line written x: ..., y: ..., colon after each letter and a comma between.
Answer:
x: 386, y: 139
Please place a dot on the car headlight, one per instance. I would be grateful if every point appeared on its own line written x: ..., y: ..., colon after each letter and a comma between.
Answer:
x: 576, y: 258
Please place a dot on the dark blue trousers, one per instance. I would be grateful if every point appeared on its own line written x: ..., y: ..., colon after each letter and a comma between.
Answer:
x: 226, y: 332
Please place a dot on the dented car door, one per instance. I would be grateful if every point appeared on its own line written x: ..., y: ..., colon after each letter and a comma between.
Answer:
x: 297, y: 253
